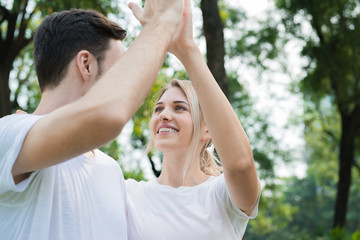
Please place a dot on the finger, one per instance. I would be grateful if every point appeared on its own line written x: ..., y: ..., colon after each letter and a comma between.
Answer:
x: 136, y: 10
x: 20, y: 112
x: 187, y: 11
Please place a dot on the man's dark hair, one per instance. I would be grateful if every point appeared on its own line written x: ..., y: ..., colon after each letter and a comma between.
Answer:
x: 62, y: 35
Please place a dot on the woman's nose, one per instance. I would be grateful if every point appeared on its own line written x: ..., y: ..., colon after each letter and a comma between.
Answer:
x: 165, y: 115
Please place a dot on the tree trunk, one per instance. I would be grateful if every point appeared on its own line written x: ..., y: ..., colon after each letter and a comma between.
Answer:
x: 214, y: 35
x: 350, y: 125
x: 5, y: 103
x: 11, y: 45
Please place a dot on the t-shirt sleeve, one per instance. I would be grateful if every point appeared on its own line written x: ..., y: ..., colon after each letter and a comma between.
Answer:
x: 233, y: 211
x: 13, y: 130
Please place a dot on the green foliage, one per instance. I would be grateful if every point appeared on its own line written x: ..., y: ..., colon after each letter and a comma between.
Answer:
x: 230, y: 16
x: 114, y: 150
x: 26, y: 95
x: 311, y: 198
x: 302, y: 209
x: 330, y: 31
x: 342, y: 234
x: 256, y: 42
x: 273, y: 216
x: 265, y: 146
x: 332, y: 48
x: 356, y: 235
x: 103, y: 6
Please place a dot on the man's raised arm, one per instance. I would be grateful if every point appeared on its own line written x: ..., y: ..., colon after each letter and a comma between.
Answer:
x: 102, y: 112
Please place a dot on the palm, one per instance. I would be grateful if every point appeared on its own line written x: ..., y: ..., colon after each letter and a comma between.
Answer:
x: 183, y: 36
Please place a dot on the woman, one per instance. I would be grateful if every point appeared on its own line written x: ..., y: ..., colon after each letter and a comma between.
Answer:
x: 191, y: 199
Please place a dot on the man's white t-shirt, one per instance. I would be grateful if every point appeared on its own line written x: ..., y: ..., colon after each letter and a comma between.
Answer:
x: 80, y: 199
x: 202, y: 212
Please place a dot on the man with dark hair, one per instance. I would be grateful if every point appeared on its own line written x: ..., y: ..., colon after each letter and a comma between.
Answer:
x: 52, y: 185
x: 63, y: 35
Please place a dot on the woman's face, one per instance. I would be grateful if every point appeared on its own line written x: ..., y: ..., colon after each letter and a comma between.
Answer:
x: 171, y: 123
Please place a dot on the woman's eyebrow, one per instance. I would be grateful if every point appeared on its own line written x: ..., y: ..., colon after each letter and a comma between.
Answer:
x: 159, y: 103
x: 181, y: 102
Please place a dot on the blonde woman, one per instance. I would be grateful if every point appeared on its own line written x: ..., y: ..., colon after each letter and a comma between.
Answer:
x: 194, y: 198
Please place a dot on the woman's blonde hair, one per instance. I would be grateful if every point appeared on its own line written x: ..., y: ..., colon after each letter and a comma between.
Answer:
x: 209, y: 164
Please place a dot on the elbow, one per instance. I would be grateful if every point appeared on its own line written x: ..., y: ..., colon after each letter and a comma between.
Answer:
x: 104, y: 119
x: 241, y: 164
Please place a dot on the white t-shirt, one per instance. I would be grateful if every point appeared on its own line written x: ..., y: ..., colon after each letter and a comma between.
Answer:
x: 80, y: 199
x: 202, y: 212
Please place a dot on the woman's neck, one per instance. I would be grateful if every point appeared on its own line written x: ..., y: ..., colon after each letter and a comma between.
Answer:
x: 172, y: 173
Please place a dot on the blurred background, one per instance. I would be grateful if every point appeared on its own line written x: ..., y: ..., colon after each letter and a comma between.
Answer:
x: 290, y: 68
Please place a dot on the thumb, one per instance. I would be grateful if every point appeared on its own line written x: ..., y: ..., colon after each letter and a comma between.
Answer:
x: 136, y: 10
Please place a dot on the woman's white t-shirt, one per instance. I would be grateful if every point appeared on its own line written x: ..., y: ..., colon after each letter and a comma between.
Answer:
x: 202, y: 212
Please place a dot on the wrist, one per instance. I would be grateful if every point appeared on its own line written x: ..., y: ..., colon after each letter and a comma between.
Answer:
x: 187, y: 52
x: 167, y: 21
x: 158, y: 31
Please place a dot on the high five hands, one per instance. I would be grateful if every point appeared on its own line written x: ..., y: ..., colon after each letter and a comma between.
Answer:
x: 182, y: 39
x: 164, y: 11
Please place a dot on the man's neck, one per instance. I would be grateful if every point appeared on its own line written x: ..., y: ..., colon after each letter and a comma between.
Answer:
x: 54, y: 99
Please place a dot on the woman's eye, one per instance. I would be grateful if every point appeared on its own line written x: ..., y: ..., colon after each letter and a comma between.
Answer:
x: 158, y: 109
x: 180, y: 108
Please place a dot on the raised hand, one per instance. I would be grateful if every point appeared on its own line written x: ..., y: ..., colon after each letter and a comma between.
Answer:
x: 183, y: 38
x: 163, y: 10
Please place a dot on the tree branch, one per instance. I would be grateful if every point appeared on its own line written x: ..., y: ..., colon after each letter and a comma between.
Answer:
x: 325, y: 125
x: 23, y: 27
x: 155, y: 171
x: 316, y: 24
x: 4, y: 14
x: 23, y: 22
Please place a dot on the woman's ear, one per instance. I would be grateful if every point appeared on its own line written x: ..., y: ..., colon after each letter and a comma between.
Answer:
x: 86, y: 64
x: 205, y: 136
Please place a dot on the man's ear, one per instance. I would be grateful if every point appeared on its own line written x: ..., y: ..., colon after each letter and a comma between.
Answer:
x: 85, y: 63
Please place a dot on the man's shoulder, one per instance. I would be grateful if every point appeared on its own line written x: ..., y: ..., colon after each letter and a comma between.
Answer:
x: 15, y: 118
x: 16, y: 123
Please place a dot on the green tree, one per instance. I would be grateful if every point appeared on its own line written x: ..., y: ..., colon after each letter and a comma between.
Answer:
x: 333, y: 73
x: 309, y: 201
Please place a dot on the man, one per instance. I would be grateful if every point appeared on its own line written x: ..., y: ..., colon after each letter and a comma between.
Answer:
x: 48, y: 188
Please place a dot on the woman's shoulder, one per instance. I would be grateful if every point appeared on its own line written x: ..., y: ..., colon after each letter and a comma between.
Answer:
x: 135, y: 184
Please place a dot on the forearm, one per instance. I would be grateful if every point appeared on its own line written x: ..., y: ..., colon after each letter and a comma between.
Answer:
x: 227, y: 133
